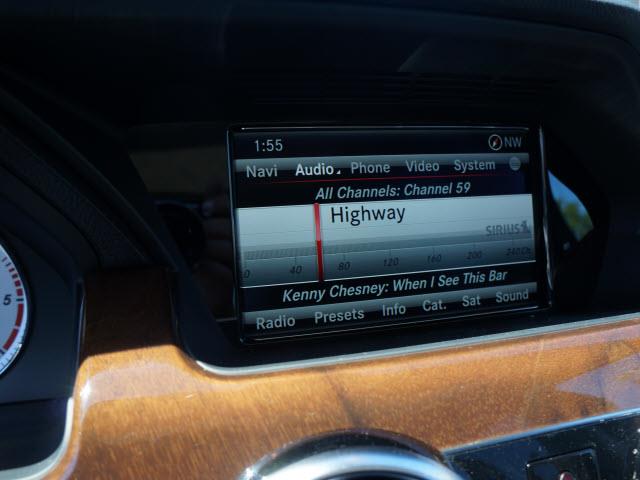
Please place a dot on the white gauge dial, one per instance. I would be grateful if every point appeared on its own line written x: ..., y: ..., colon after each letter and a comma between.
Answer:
x: 13, y: 310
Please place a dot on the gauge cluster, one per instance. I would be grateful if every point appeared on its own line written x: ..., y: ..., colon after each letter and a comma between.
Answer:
x: 14, y: 310
x: 40, y: 324
x: 47, y: 247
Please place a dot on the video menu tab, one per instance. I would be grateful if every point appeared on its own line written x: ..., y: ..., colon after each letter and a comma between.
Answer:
x: 348, y: 223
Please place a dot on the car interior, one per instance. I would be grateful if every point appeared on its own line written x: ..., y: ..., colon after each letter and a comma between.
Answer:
x: 232, y: 243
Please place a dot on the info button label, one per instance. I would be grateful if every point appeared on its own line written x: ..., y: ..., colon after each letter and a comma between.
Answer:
x: 393, y: 309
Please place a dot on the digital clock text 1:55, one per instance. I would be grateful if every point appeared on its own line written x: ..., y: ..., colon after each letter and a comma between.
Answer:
x: 269, y: 145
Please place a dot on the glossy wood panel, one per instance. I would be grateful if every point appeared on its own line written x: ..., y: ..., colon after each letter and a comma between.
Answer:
x: 145, y: 410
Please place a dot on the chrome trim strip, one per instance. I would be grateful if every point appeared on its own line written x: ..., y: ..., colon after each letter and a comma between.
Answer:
x: 581, y: 422
x: 41, y: 469
x: 354, y: 460
x: 407, y: 126
x: 401, y: 351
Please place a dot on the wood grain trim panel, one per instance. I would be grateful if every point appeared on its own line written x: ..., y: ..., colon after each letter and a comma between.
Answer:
x: 145, y: 410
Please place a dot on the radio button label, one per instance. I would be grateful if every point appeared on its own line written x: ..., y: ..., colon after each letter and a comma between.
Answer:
x: 281, y: 321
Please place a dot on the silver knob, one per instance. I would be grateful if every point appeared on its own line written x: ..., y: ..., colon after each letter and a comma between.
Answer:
x: 352, y: 454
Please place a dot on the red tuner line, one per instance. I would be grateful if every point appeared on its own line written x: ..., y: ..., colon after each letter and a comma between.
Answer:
x: 316, y: 219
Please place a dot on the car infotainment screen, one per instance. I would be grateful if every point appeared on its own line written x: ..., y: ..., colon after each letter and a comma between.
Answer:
x: 354, y: 228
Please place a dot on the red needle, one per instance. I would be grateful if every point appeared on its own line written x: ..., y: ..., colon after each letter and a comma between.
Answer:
x: 316, y: 218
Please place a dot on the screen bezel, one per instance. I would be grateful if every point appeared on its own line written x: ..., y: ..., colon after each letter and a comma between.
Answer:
x: 540, y: 194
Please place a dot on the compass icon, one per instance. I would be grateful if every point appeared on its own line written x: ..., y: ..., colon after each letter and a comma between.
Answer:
x: 495, y: 142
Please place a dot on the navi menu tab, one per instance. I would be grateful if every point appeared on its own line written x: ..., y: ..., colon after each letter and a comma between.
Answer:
x: 356, y: 228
